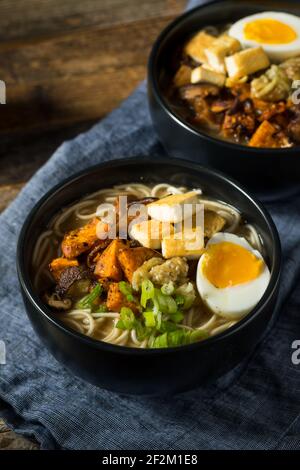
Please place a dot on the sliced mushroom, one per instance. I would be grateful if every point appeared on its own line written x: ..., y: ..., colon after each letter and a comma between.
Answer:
x: 74, y: 283
x: 59, y: 304
x: 190, y: 92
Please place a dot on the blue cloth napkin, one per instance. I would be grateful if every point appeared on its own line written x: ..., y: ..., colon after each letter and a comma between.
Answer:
x: 256, y: 406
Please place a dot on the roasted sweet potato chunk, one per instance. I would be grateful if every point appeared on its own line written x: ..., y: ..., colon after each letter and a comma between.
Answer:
x: 58, y: 265
x: 132, y: 258
x: 108, y: 265
x: 263, y: 136
x: 80, y: 240
x: 116, y: 300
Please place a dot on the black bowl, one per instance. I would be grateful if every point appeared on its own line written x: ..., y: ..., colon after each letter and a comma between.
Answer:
x: 259, y: 168
x: 156, y: 371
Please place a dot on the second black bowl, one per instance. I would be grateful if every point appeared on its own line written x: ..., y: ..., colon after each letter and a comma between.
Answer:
x: 147, y: 371
x: 259, y: 168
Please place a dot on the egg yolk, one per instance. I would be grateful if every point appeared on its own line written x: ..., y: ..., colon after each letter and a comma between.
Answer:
x: 269, y: 31
x: 227, y: 264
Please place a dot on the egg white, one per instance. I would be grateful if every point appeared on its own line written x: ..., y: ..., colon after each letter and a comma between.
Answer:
x: 236, y: 301
x: 276, y: 52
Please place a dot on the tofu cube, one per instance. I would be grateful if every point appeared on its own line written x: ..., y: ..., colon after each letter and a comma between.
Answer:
x: 246, y: 62
x: 216, y: 53
x: 195, y: 46
x: 189, y: 243
x: 182, y: 76
x: 202, y: 74
x: 150, y: 233
x: 174, y: 208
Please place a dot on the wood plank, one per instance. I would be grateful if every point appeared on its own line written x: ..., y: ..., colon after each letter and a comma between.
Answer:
x: 74, y: 78
x: 23, y: 19
x: 11, y: 441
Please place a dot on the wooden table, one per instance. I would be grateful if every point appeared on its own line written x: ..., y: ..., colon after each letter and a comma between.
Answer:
x: 66, y: 64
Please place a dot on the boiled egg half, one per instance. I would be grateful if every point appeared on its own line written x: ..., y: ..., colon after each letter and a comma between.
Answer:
x: 231, y: 276
x: 276, y: 32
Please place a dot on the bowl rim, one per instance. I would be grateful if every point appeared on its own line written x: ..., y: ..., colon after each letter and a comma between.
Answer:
x: 34, y: 299
x: 152, y: 79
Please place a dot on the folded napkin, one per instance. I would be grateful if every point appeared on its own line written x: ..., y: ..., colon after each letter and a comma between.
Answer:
x: 256, y: 406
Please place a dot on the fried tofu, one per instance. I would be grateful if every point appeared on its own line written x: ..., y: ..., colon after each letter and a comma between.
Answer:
x: 149, y: 233
x: 213, y: 223
x: 182, y: 76
x: 202, y: 74
x: 195, y: 46
x: 80, y: 240
x: 221, y: 48
x: 116, y: 300
x: 58, y: 265
x: 190, y: 244
x: 108, y: 265
x: 132, y: 258
x: 172, y: 208
x: 246, y: 62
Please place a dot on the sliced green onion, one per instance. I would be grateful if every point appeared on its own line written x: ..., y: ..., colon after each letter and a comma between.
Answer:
x: 180, y: 299
x: 142, y: 331
x: 197, y: 335
x: 172, y: 306
x: 187, y: 292
x: 167, y: 326
x: 178, y: 337
x: 126, y: 290
x: 88, y: 300
x: 158, y: 320
x: 185, y: 301
x: 101, y: 308
x: 166, y: 303
x: 147, y: 292
x: 120, y: 325
x: 127, y: 318
x: 160, y: 341
x: 177, y: 317
x: 156, y: 306
x: 149, y: 319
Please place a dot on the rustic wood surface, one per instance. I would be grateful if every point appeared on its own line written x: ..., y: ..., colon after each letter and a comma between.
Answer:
x: 65, y: 65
